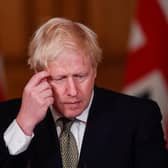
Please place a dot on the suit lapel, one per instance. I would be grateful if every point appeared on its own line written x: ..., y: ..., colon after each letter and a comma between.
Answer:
x: 99, y: 124
x: 87, y: 142
x: 90, y: 134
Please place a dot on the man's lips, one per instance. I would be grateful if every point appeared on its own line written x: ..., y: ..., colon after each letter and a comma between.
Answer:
x: 74, y: 102
x: 73, y: 105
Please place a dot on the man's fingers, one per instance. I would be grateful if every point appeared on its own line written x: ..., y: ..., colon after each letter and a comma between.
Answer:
x: 43, y: 86
x: 37, y: 78
x: 47, y: 93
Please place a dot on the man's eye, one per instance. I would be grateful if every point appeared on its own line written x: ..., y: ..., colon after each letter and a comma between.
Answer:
x: 81, y: 77
x: 59, y: 79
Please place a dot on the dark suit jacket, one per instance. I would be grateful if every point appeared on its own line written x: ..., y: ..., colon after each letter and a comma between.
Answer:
x: 121, y: 132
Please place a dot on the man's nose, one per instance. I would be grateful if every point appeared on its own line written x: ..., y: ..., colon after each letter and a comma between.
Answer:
x: 72, y: 87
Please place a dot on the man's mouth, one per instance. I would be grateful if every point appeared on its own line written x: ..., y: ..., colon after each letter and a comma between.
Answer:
x: 71, y: 103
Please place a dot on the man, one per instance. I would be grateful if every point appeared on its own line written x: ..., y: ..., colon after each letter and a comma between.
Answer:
x: 109, y: 129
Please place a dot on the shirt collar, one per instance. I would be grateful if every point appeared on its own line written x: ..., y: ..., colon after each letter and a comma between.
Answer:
x: 82, y: 117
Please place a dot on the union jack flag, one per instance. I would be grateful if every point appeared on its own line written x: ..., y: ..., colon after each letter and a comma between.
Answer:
x: 147, y: 64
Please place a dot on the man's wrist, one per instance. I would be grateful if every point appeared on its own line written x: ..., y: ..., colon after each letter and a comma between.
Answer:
x: 15, y: 139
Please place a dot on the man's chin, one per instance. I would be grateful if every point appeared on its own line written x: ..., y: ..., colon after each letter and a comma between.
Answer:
x: 72, y: 113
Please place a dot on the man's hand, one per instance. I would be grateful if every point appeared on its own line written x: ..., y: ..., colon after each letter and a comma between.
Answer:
x: 37, y: 97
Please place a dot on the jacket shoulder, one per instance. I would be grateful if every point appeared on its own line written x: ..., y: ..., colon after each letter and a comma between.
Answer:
x: 10, y: 103
x: 109, y: 95
x: 10, y: 107
x: 131, y: 104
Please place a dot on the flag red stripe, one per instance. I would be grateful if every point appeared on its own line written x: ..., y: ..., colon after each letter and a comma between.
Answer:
x: 150, y: 17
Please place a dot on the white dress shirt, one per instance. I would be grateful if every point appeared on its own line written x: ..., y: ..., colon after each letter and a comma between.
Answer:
x: 18, y: 142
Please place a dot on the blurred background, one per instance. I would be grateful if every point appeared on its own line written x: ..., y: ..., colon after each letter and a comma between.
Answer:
x: 110, y: 19
x: 132, y: 33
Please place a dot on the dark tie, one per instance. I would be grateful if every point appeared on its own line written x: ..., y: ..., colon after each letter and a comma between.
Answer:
x: 68, y: 147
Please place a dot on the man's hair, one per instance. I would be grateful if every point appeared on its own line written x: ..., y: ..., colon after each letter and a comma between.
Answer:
x: 58, y: 34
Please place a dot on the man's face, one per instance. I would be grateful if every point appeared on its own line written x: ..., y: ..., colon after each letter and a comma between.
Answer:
x: 72, y: 80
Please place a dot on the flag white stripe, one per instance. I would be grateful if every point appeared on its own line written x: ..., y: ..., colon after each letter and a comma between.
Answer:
x: 164, y: 6
x: 137, y: 37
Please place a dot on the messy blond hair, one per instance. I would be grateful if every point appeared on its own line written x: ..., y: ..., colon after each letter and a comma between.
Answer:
x: 56, y: 35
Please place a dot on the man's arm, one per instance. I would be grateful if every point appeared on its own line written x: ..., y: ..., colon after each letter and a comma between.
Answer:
x: 37, y: 96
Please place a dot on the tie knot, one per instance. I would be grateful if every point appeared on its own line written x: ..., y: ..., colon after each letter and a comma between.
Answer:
x: 66, y: 123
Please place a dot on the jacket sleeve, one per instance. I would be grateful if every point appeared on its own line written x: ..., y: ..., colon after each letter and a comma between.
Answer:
x: 8, y: 112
